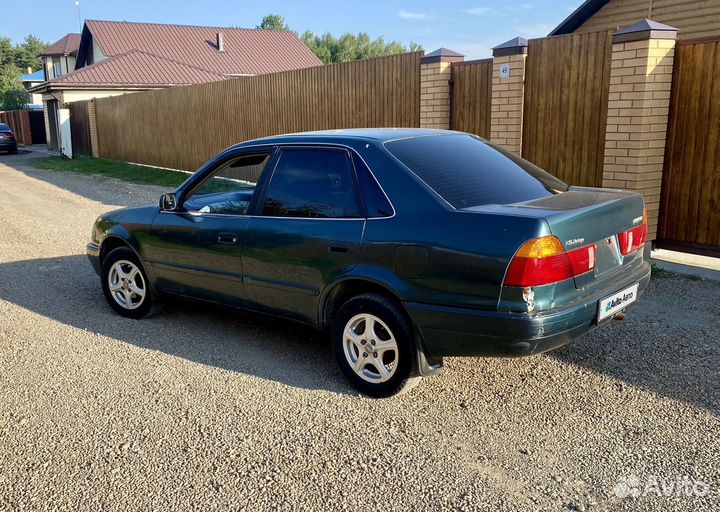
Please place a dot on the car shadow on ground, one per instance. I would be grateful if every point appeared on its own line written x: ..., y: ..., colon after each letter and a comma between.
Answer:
x: 676, y: 357
x: 668, y: 343
x: 285, y: 352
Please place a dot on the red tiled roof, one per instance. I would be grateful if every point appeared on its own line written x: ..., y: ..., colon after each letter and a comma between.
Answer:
x: 136, y: 68
x: 68, y: 45
x: 247, y: 51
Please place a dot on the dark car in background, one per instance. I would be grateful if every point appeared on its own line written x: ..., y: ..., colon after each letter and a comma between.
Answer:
x: 406, y: 245
x: 7, y: 139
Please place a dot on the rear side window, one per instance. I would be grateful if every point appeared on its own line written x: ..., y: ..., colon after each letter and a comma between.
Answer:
x: 313, y: 183
x: 376, y: 202
x: 467, y: 172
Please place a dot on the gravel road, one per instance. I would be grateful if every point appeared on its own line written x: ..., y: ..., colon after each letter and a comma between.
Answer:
x: 204, y: 409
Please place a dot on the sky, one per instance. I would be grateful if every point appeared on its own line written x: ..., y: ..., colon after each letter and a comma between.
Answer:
x: 471, y: 27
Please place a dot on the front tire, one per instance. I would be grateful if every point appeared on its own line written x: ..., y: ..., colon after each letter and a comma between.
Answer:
x: 373, y: 344
x: 125, y: 284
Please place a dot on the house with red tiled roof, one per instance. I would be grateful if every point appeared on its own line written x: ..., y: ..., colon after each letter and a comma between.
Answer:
x: 59, y: 58
x: 113, y: 57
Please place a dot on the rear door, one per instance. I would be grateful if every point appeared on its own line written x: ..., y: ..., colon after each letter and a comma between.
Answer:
x: 308, y: 231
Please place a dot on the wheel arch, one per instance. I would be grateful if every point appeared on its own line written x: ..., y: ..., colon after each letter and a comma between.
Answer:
x: 341, y: 291
x: 113, y: 241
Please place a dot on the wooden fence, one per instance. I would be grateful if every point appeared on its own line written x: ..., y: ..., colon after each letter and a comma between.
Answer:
x: 566, y: 94
x: 80, y: 127
x: 182, y: 127
x: 470, y: 96
x: 27, y: 125
x: 690, y: 201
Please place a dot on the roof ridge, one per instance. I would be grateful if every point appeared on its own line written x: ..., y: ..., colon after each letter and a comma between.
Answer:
x: 183, y: 25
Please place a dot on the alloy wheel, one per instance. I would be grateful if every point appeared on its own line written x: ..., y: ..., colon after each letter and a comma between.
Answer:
x: 127, y: 284
x: 370, y: 348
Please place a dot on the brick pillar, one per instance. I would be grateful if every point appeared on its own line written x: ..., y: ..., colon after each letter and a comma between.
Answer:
x: 508, y: 94
x: 640, y: 82
x: 92, y: 121
x: 435, y: 88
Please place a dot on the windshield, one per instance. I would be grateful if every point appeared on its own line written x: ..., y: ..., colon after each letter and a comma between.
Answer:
x: 467, y: 171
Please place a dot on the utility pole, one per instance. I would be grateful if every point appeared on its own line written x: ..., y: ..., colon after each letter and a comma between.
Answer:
x: 77, y: 4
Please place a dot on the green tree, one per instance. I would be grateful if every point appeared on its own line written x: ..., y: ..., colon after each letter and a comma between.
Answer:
x: 14, y: 61
x: 12, y: 93
x: 347, y: 47
x: 273, y: 22
x: 27, y: 53
x: 7, y: 52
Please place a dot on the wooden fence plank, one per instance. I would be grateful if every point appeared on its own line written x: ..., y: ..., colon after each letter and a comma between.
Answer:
x: 690, y: 196
x: 183, y: 127
x: 565, y: 113
x: 470, y: 96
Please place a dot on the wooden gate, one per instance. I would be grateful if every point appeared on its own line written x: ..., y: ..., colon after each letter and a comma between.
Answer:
x: 80, y: 127
x: 690, y: 200
x: 565, y: 114
x: 470, y: 96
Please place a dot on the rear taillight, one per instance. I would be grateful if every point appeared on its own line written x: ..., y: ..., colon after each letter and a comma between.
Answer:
x: 544, y: 260
x: 633, y: 239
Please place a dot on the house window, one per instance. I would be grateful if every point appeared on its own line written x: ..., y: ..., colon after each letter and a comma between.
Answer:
x: 57, y: 70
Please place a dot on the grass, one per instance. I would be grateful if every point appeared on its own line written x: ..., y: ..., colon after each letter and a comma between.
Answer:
x: 660, y: 273
x: 114, y: 169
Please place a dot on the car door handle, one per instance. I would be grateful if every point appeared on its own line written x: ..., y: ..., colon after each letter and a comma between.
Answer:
x: 227, y: 238
x: 342, y: 247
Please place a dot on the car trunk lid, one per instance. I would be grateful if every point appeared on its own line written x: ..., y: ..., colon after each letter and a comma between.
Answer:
x: 582, y: 216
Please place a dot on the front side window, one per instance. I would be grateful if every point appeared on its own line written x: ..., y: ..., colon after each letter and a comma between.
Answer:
x: 313, y: 183
x: 230, y: 189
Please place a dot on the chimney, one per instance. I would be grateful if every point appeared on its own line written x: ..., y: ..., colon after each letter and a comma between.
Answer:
x: 220, y: 42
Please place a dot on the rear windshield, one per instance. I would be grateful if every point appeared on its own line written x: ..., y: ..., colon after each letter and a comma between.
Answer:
x: 4, y: 128
x: 467, y: 172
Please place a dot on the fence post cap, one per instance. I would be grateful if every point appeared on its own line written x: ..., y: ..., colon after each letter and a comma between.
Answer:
x: 442, y: 55
x: 516, y: 46
x: 644, y: 30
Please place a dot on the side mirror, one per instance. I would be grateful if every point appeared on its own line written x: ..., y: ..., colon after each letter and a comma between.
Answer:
x: 168, y: 202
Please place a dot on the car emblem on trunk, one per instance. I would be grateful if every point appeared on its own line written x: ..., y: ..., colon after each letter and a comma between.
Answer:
x: 574, y: 241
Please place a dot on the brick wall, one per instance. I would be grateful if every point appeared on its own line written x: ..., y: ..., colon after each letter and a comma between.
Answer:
x: 507, y: 103
x: 639, y: 100
x: 435, y: 95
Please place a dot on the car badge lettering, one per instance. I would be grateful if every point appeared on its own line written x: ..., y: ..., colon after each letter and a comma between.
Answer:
x: 574, y: 241
x: 637, y: 220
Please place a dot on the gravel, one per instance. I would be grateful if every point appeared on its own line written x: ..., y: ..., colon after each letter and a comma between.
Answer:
x: 210, y: 409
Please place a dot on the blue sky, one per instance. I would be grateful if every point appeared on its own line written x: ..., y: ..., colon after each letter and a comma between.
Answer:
x: 470, y: 27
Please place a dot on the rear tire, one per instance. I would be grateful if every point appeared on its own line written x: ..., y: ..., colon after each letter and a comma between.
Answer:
x: 125, y: 284
x: 13, y: 151
x: 373, y: 344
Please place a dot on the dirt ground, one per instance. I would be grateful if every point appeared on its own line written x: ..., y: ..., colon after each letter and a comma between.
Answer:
x: 208, y: 409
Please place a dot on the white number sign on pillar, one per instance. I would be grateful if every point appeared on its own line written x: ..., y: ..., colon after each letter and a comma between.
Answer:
x: 505, y: 70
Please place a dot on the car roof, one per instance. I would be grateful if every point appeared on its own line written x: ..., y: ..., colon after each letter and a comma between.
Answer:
x: 351, y: 134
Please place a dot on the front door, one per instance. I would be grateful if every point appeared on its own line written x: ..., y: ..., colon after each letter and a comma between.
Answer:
x: 307, y: 233
x: 196, y: 251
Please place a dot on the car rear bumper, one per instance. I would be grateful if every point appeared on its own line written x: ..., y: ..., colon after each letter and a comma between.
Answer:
x: 8, y: 145
x: 93, y: 253
x: 448, y: 331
